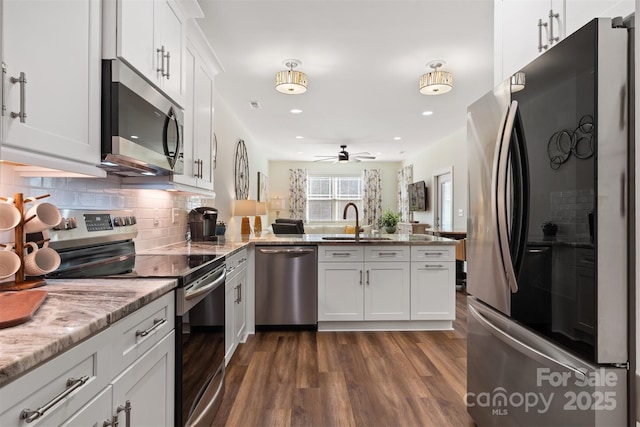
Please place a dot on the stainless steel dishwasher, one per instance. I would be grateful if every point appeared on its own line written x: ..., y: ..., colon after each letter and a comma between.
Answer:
x: 286, y: 286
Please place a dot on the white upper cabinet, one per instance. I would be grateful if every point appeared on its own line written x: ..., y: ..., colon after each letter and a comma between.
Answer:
x: 198, y: 127
x: 579, y: 12
x: 51, y: 84
x: 526, y: 28
x: 150, y: 36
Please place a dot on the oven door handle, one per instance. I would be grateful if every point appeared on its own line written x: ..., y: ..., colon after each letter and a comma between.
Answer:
x: 204, y: 285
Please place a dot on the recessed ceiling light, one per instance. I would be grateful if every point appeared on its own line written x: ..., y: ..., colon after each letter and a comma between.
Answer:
x: 427, y: 113
x: 134, y: 136
x: 397, y: 138
x: 299, y: 137
x: 296, y: 111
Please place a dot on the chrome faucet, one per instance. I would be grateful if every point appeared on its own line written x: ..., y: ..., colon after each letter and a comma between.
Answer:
x: 344, y: 216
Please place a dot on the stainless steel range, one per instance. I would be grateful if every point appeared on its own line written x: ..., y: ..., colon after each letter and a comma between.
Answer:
x: 100, y: 244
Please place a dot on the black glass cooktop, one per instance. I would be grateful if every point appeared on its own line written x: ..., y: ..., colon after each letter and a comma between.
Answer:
x: 182, y: 267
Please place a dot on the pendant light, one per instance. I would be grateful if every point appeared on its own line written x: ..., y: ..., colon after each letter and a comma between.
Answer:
x: 289, y: 81
x: 436, y: 82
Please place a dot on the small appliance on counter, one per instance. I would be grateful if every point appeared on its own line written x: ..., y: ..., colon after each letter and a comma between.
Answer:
x: 202, y: 224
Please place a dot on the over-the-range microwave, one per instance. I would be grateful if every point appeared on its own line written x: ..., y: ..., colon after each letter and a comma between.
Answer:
x: 141, y: 128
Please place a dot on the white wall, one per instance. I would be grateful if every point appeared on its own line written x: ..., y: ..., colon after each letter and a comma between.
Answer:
x: 228, y: 130
x: 279, y: 178
x: 448, y: 152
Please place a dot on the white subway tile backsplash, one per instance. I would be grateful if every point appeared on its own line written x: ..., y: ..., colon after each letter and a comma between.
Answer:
x: 106, y: 194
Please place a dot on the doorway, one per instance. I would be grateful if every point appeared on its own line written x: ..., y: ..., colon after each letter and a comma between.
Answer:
x: 443, y: 199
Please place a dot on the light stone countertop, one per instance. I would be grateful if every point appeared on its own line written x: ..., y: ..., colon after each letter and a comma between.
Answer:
x: 73, y: 311
x: 229, y: 246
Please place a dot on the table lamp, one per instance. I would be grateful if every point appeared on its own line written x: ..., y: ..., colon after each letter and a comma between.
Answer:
x: 245, y: 209
x: 277, y: 205
x: 261, y: 209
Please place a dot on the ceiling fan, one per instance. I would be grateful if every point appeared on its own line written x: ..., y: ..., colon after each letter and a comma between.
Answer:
x: 344, y: 156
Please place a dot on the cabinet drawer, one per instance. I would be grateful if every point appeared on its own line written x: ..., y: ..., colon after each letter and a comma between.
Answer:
x: 141, y: 330
x: 340, y: 253
x: 38, y: 389
x: 433, y: 253
x: 387, y: 253
x: 236, y: 263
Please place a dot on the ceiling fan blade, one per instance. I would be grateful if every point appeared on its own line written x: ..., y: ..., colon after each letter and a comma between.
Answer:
x: 364, y: 157
x: 328, y: 159
x: 366, y: 153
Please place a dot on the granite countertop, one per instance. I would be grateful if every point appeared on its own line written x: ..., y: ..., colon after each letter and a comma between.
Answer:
x: 73, y: 311
x: 229, y: 246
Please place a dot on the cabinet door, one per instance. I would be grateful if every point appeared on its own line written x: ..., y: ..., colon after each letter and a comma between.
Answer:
x: 229, y: 317
x: 579, y: 12
x: 57, y: 47
x: 203, y: 125
x: 94, y: 413
x: 148, y: 385
x: 190, y: 172
x: 135, y: 36
x: 387, y: 290
x: 239, y: 308
x: 169, y: 34
x: 433, y: 290
x: 340, y: 291
x: 520, y: 32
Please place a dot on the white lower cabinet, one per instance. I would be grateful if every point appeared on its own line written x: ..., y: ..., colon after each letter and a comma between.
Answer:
x: 84, y: 386
x: 95, y: 413
x: 375, y: 289
x: 143, y: 395
x: 433, y: 283
x: 235, y: 302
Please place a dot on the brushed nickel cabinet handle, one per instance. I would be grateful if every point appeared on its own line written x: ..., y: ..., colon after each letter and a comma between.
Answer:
x: 541, y: 46
x: 156, y: 324
x: 127, y: 412
x: 168, y: 56
x: 360, y: 277
x: 4, y: 73
x: 552, y: 16
x: 73, y: 384
x: 433, y: 265
x: 23, y: 97
x: 160, y: 54
x: 367, y: 277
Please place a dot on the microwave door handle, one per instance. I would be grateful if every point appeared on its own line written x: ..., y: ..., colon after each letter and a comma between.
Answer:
x: 500, y: 196
x: 172, y: 157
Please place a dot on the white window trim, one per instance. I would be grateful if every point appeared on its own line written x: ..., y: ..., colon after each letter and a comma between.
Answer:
x: 334, y: 200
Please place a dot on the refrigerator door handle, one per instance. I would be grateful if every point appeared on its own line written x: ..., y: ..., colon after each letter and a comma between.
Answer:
x: 500, y: 194
x: 519, y: 345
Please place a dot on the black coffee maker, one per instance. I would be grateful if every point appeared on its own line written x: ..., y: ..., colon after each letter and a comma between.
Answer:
x: 202, y: 224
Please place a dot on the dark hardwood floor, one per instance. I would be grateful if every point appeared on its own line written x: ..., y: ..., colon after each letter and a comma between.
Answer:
x: 349, y: 378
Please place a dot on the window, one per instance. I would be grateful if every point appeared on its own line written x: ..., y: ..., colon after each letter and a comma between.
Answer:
x: 328, y: 195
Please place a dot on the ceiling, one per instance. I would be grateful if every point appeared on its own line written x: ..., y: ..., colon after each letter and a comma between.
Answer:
x: 363, y: 59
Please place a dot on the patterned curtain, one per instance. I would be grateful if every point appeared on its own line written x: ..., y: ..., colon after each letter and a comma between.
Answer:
x: 298, y: 193
x: 405, y: 177
x: 371, y: 197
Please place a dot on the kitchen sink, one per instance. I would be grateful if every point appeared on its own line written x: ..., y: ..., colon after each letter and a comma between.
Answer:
x: 353, y: 239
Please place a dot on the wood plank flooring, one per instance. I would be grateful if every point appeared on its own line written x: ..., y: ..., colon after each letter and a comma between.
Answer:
x: 349, y: 378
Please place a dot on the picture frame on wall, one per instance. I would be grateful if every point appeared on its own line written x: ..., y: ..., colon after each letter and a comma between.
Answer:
x: 263, y: 187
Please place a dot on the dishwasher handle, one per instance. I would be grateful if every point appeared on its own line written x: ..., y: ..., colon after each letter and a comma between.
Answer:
x: 287, y: 251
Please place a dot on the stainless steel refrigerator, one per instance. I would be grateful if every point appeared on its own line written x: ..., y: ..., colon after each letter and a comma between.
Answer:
x: 547, y: 272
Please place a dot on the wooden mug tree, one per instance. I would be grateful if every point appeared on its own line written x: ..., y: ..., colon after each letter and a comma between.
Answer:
x: 20, y: 282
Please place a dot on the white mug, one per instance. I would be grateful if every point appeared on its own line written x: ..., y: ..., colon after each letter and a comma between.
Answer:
x: 40, y: 260
x: 9, y: 262
x: 9, y: 216
x: 47, y: 216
